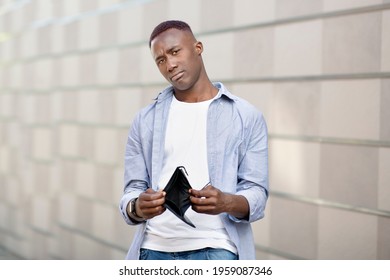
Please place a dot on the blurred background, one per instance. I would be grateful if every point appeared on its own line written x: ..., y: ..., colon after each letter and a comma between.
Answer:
x: 74, y: 73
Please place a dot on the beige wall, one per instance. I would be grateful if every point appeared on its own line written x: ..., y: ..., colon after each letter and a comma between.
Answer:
x: 74, y: 73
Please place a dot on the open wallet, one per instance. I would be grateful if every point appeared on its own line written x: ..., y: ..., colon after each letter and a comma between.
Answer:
x: 177, y: 198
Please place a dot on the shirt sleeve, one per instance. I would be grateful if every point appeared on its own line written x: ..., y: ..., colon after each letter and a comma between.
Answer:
x: 253, y: 170
x: 135, y: 176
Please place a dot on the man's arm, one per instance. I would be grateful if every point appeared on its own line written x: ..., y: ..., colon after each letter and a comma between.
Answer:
x: 213, y: 201
x: 136, y: 177
x: 248, y: 203
x: 253, y: 169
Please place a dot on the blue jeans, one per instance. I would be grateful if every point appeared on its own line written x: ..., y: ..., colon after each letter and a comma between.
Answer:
x: 202, y: 254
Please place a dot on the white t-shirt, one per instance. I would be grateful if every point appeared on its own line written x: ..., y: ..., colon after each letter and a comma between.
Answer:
x: 185, y: 145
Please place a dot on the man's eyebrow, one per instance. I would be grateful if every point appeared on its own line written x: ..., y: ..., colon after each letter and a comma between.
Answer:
x: 158, y: 57
x: 173, y: 47
x: 170, y: 50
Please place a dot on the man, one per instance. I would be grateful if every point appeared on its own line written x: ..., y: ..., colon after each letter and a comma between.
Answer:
x: 220, y: 139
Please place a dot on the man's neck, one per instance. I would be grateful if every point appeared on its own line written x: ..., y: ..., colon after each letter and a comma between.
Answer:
x: 197, y: 94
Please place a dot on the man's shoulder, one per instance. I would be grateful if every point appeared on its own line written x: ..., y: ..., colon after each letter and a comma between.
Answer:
x: 245, y: 107
x: 149, y: 109
x: 240, y: 102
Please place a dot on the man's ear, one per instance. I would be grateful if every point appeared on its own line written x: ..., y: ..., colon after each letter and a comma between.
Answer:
x: 199, y: 47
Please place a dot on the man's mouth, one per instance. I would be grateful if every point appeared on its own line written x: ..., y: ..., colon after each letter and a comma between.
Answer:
x: 177, y: 76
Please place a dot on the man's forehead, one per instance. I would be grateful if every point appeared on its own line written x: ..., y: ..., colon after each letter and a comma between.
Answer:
x: 172, y: 35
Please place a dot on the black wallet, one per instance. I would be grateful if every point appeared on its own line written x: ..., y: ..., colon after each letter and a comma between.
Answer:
x: 177, y: 198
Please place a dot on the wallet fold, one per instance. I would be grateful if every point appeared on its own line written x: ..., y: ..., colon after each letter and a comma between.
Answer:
x: 177, y: 198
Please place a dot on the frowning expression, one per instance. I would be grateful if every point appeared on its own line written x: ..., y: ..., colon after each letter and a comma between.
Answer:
x: 178, y: 57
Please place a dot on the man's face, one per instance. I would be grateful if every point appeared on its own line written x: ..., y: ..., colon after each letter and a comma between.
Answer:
x: 177, y: 55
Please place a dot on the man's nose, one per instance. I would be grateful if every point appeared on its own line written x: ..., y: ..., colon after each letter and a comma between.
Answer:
x: 171, y: 65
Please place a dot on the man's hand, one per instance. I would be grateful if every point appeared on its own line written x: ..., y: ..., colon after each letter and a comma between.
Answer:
x: 150, y: 204
x: 213, y: 201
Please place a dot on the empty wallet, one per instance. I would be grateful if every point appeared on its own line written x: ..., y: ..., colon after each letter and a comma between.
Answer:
x: 177, y: 198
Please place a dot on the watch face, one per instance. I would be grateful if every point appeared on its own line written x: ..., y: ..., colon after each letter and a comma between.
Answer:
x: 132, y: 208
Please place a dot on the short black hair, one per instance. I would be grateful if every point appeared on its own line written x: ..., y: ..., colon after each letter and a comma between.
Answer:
x: 165, y: 25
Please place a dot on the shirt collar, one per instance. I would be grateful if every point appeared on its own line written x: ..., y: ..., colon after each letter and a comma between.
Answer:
x: 222, y: 91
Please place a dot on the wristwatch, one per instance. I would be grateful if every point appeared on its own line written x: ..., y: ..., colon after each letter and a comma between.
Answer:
x: 132, y: 211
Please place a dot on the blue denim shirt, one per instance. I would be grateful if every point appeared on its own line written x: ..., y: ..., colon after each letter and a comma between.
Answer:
x: 237, y: 153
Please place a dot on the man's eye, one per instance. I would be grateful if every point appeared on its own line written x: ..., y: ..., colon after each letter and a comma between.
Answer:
x: 161, y: 61
x: 175, y: 52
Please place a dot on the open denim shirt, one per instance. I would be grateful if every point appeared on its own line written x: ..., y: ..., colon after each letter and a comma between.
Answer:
x: 237, y: 155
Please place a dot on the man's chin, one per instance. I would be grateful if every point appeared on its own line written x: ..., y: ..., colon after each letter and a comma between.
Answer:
x: 180, y: 87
